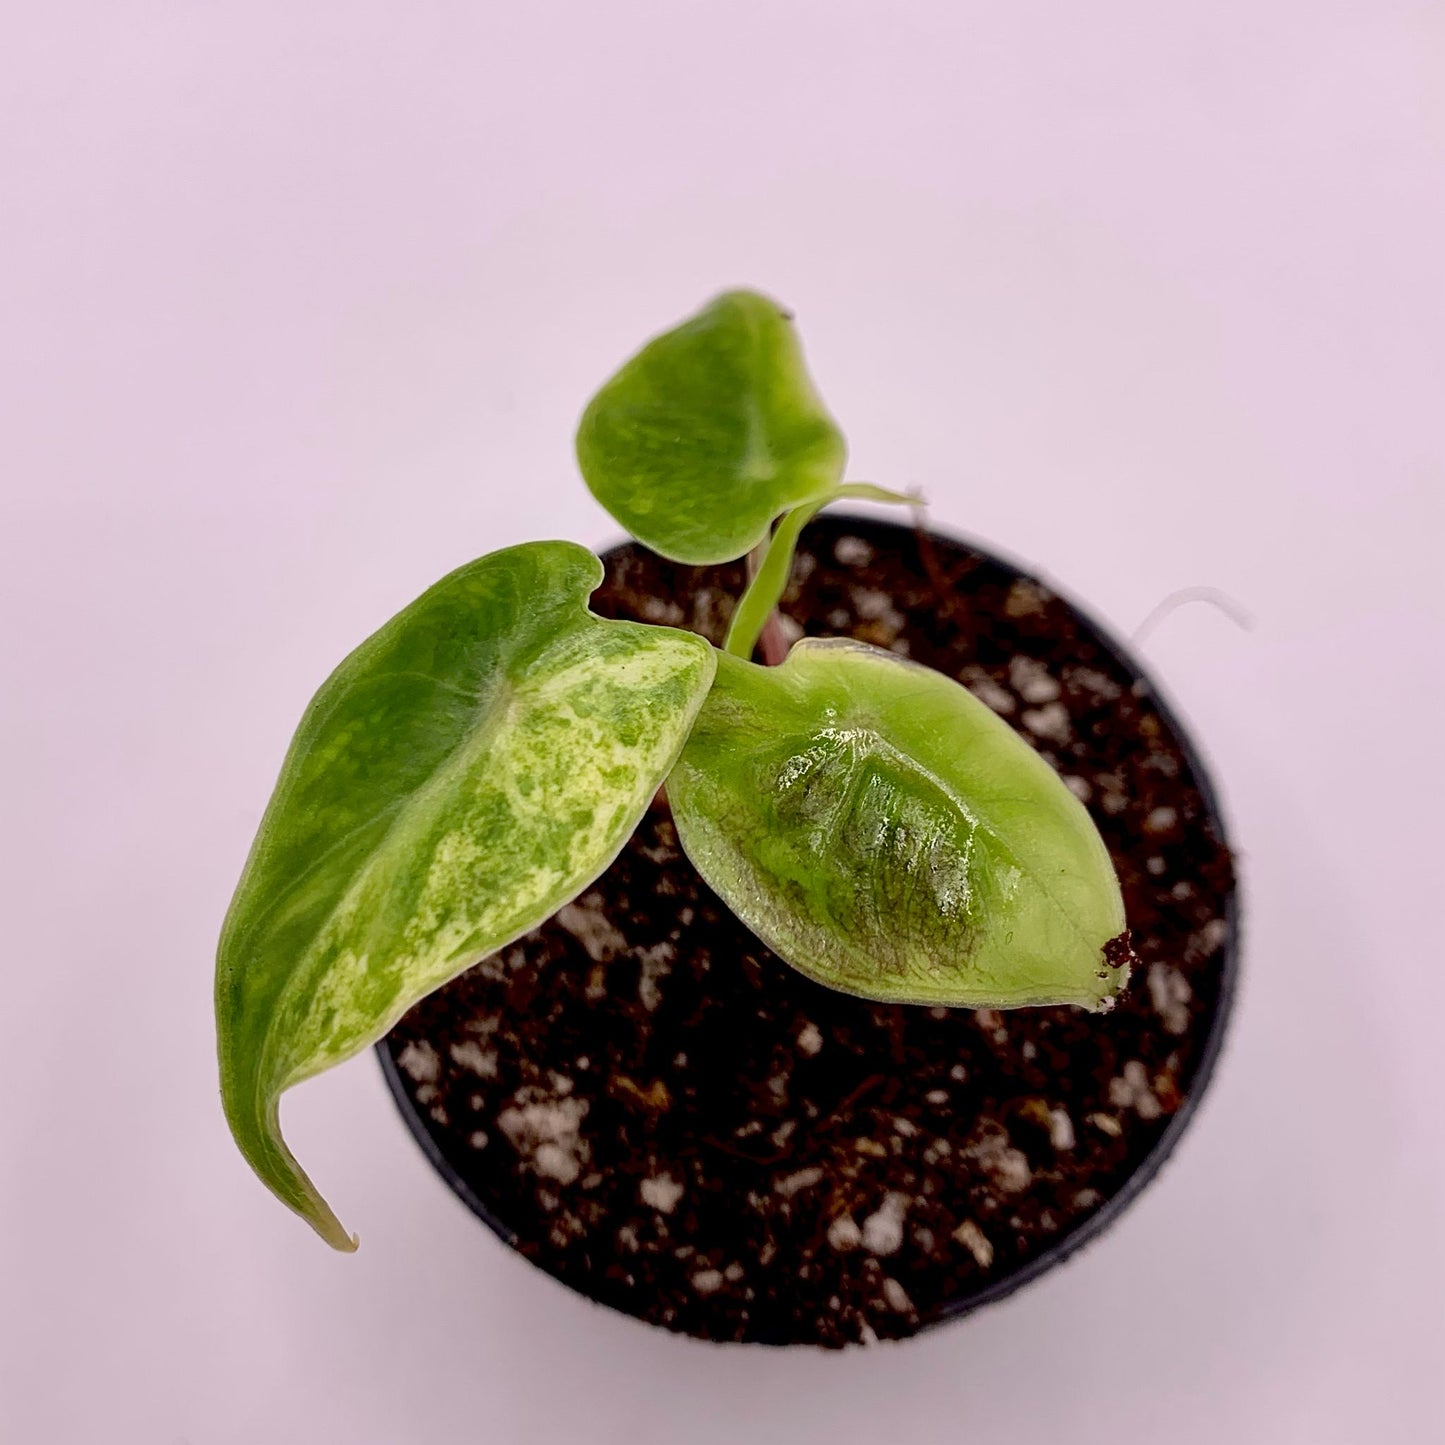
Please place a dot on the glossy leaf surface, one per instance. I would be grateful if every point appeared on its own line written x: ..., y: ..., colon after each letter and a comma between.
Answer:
x: 885, y: 833
x: 710, y: 432
x: 465, y: 772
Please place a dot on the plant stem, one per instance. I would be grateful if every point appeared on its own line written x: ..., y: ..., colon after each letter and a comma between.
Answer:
x: 769, y: 564
x: 771, y: 642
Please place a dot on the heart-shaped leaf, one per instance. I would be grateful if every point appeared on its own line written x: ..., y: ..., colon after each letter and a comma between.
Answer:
x: 711, y: 432
x: 463, y: 774
x: 885, y: 833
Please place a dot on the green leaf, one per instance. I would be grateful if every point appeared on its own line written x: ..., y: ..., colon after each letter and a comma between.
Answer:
x: 710, y: 432
x: 464, y: 773
x: 885, y: 833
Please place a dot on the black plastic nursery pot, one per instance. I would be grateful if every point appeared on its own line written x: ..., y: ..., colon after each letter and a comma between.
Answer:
x: 648, y: 1104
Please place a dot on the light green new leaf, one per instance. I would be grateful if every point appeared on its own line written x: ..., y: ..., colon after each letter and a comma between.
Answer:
x: 711, y: 432
x: 463, y: 774
x: 885, y: 833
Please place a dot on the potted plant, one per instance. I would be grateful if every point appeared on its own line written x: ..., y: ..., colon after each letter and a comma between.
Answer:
x: 781, y: 1000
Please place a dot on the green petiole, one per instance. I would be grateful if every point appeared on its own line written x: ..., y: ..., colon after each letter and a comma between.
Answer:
x: 765, y: 590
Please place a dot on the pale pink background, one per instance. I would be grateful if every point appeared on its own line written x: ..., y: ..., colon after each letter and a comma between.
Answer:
x: 298, y: 303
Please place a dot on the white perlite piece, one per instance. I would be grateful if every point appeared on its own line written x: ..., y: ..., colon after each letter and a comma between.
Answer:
x: 1050, y: 721
x: 1132, y: 1091
x: 707, y: 1281
x: 554, y: 1162
x: 896, y: 1297
x: 810, y: 1039
x: 587, y: 923
x: 661, y: 1193
x: 656, y: 964
x: 1160, y: 820
x: 1094, y: 682
x: 1206, y: 941
x: 421, y: 1061
x: 883, y: 1229
x: 1061, y: 1129
x: 1079, y: 787
x: 844, y: 1234
x: 499, y: 965
x: 986, y: 690
x: 790, y: 1184
x: 875, y: 606
x: 471, y: 1055
x: 976, y: 1242
x: 545, y: 1132
x: 852, y: 551
x: 658, y: 609
x: 1006, y: 1166
x: 1170, y: 993
x: 1030, y: 679
x: 663, y: 853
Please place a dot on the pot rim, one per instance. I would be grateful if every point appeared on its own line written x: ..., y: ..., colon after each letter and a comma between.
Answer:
x: 1149, y: 1166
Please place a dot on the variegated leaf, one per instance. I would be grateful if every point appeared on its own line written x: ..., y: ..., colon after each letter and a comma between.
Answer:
x: 465, y: 772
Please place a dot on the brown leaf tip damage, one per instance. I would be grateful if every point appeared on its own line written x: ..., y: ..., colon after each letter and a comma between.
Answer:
x: 1119, y: 951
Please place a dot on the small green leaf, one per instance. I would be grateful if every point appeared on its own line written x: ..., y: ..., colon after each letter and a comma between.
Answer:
x: 710, y: 432
x: 886, y: 834
x: 463, y: 774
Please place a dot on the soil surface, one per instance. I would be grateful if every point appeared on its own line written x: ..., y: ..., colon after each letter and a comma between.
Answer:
x: 671, y: 1120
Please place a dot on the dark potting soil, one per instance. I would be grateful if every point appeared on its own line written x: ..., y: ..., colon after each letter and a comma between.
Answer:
x: 669, y: 1119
